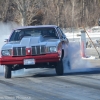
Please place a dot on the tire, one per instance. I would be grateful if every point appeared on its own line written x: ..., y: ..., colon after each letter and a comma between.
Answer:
x: 59, y: 68
x: 7, y: 71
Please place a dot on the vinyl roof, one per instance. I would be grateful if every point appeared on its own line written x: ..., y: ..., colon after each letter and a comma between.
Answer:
x: 37, y: 26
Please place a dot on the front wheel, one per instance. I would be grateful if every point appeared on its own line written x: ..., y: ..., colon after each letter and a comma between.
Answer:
x: 7, y: 71
x: 59, y: 68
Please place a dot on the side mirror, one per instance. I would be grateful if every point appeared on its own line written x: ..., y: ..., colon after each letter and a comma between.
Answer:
x: 6, y: 40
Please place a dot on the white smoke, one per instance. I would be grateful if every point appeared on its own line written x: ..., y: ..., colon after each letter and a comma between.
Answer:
x: 5, y: 31
x: 76, y: 61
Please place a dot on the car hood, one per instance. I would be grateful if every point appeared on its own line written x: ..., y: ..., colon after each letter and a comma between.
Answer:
x: 31, y: 41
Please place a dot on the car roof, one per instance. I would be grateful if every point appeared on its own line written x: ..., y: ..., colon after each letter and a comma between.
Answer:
x: 37, y: 26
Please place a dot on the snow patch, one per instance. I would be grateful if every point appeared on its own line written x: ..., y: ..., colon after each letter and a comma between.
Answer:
x: 91, y: 57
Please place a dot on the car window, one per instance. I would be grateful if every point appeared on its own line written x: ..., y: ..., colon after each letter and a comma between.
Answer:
x: 59, y: 32
x: 49, y: 32
x: 17, y: 35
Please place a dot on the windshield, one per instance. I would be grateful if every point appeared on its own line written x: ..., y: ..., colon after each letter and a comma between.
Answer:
x: 17, y: 35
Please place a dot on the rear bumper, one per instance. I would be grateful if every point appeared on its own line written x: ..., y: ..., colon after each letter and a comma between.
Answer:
x: 38, y: 59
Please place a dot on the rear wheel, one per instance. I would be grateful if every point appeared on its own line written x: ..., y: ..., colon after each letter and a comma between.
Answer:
x: 59, y: 68
x: 7, y: 71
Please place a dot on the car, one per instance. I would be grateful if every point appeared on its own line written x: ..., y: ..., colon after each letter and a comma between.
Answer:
x: 41, y: 46
x: 95, y: 29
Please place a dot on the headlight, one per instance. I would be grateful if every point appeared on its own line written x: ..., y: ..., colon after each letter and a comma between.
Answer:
x: 6, y: 52
x: 53, y: 49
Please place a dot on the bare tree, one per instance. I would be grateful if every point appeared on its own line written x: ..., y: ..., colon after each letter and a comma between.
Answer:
x: 64, y: 13
x: 21, y: 6
x: 4, y: 4
x: 26, y: 8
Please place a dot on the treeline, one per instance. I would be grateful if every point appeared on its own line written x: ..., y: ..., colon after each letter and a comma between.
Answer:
x: 64, y: 13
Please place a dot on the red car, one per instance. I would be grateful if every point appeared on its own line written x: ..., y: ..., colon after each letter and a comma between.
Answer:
x: 42, y: 46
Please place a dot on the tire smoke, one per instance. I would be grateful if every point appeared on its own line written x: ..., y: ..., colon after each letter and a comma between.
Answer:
x: 5, y: 31
x: 76, y: 62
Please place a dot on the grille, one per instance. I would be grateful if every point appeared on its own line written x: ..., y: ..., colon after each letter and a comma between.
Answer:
x: 19, y: 51
x: 37, y: 50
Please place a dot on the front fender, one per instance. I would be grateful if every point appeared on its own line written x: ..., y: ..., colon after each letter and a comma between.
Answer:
x: 63, y: 46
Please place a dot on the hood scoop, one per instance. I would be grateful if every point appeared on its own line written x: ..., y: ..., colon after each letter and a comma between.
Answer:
x: 29, y: 40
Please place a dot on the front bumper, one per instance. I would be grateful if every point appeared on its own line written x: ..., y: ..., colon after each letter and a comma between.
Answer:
x: 38, y: 59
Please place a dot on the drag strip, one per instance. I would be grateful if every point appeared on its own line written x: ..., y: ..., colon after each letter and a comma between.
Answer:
x: 80, y: 83
x: 44, y: 86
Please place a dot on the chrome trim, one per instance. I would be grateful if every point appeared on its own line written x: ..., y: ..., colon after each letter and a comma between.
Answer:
x: 35, y: 50
x: 21, y: 51
x: 17, y: 51
x: 40, y: 50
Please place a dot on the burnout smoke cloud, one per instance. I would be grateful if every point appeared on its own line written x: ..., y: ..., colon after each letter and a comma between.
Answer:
x: 5, y: 31
x: 73, y: 49
x: 76, y: 62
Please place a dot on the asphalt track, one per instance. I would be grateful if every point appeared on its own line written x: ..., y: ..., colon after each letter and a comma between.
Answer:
x: 44, y: 84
